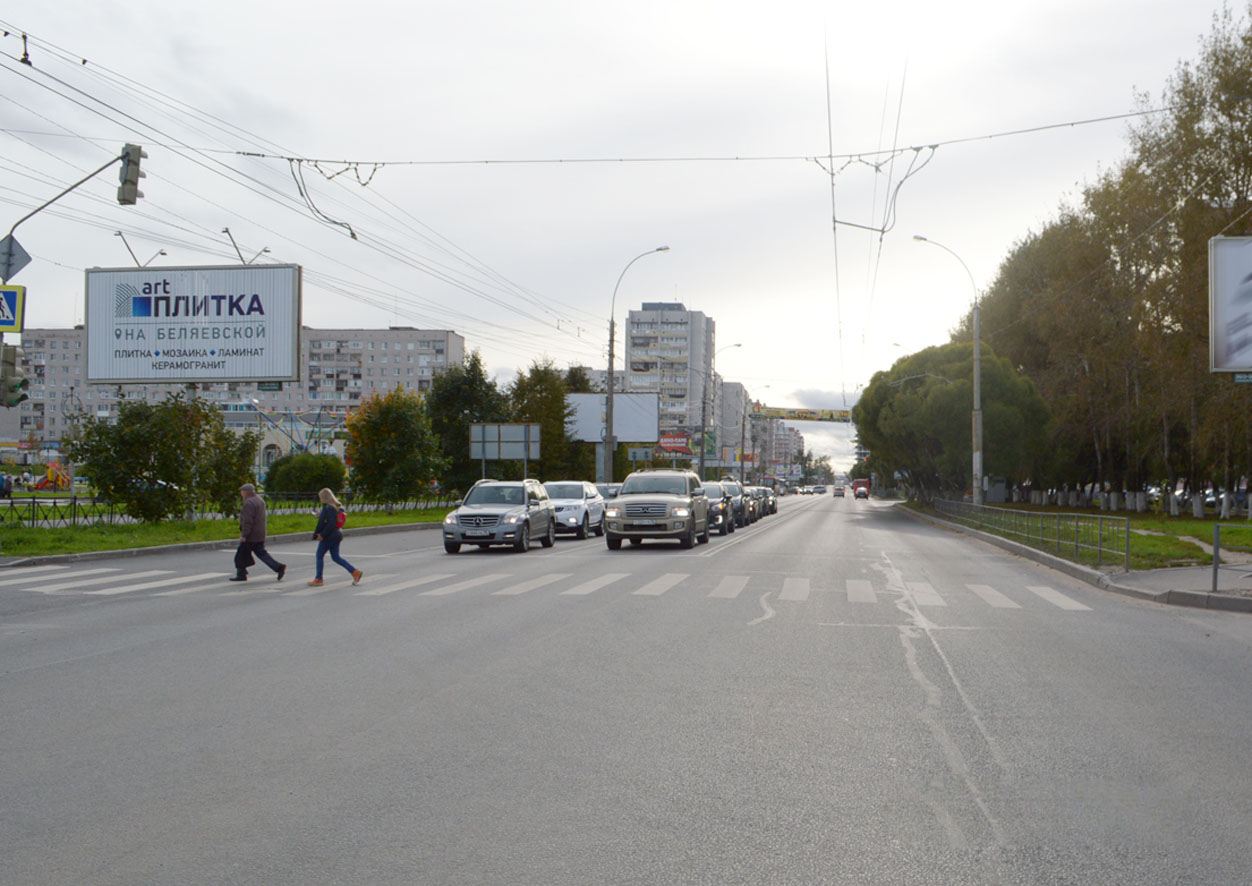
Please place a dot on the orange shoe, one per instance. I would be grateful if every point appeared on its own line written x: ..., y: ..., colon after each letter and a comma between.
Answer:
x: 317, y: 581
x: 356, y: 577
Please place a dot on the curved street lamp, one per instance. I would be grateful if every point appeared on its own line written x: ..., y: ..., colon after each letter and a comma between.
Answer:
x: 609, y: 443
x: 977, y: 416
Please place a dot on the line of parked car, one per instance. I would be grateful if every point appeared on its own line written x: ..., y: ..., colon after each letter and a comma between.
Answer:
x: 651, y: 504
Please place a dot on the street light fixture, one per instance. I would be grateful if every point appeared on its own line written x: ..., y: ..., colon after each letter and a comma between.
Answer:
x: 704, y: 404
x: 977, y: 416
x: 609, y: 443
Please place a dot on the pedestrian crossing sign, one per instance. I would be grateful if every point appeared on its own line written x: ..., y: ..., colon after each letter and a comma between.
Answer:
x: 12, y: 308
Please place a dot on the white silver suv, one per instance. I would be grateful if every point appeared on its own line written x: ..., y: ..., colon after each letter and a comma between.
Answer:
x: 501, y: 512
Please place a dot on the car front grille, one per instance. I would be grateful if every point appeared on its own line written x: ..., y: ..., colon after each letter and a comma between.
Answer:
x: 478, y: 520
x: 646, y: 509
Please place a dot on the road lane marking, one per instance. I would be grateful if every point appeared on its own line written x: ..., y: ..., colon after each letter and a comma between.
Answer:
x: 769, y: 612
x: 924, y: 595
x: 796, y: 589
x: 595, y: 584
x: 1056, y: 598
x: 730, y: 587
x: 24, y: 574
x: 380, y: 590
x: 861, y: 591
x: 659, y: 586
x: 78, y: 581
x: 523, y: 587
x: 992, y: 597
x: 182, y: 592
x: 462, y: 585
x: 310, y: 590
x: 142, y: 586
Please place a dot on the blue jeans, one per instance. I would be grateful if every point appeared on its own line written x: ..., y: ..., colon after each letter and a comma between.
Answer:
x: 333, y: 546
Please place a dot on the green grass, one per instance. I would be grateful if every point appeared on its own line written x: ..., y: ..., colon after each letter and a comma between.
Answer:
x: 29, y: 541
x: 1157, y: 541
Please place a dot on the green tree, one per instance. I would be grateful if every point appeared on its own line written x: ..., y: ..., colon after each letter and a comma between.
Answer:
x: 538, y: 396
x: 458, y: 396
x: 577, y: 382
x: 166, y: 459
x: 392, y: 450
x: 306, y: 472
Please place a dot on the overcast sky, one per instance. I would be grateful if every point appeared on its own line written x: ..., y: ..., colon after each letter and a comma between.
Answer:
x: 697, y: 125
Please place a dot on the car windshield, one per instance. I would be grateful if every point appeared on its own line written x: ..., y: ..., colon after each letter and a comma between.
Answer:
x: 495, y: 495
x: 564, y: 490
x: 714, y: 490
x: 733, y: 489
x: 654, y: 485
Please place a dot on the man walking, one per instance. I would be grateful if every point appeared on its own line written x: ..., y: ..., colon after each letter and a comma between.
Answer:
x: 252, y: 536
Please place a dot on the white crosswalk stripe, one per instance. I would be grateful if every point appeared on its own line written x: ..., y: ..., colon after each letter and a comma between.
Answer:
x: 1056, y: 598
x: 595, y: 584
x: 659, y: 586
x: 523, y: 587
x: 383, y: 589
x: 212, y: 581
x: 861, y: 591
x: 992, y: 597
x: 924, y: 595
x: 146, y: 585
x: 77, y: 581
x: 462, y: 585
x: 26, y: 573
x: 730, y: 586
x: 796, y: 589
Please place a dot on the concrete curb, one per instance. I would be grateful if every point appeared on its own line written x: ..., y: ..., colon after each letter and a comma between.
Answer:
x: 1082, y: 573
x: 206, y: 545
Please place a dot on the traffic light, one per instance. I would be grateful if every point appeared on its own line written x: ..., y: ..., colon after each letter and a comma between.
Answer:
x: 130, y: 175
x: 13, y: 380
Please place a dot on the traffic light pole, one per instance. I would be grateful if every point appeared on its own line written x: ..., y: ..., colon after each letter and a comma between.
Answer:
x: 5, y: 258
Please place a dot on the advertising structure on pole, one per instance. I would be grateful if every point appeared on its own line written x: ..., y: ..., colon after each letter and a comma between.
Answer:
x: 636, y: 417
x: 203, y: 324
x: 1230, y: 304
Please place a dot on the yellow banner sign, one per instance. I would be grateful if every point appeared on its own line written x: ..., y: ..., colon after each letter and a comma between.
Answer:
x: 803, y: 414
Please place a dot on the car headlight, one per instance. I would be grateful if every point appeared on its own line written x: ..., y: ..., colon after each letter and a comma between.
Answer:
x: 682, y: 512
x: 451, y: 518
x: 612, y: 512
x: 513, y: 518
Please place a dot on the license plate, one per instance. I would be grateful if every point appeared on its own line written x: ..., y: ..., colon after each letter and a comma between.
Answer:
x: 645, y: 522
x: 476, y: 533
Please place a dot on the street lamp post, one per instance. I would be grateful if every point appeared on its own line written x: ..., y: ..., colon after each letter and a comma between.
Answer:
x: 977, y: 416
x: 704, y: 403
x: 610, y: 443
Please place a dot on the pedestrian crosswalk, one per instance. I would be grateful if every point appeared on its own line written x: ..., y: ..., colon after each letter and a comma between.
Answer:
x: 102, y: 581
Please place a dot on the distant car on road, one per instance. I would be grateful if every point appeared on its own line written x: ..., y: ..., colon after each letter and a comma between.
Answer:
x: 579, y: 506
x: 839, y: 492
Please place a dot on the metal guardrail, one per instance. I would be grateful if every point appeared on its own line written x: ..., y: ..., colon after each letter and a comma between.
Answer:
x: 1067, y: 535
x: 46, y: 513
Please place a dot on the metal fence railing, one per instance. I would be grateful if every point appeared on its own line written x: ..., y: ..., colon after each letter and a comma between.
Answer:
x: 1080, y: 537
x: 51, y: 512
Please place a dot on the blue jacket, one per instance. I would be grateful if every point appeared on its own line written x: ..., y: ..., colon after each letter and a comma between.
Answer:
x: 326, y: 524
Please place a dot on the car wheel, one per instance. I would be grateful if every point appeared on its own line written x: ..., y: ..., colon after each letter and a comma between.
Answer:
x: 582, y: 529
x: 451, y: 547
x: 522, y: 545
x: 614, y: 543
x: 703, y: 537
x: 550, y: 539
x: 689, y: 540
x: 724, y: 528
x: 600, y: 526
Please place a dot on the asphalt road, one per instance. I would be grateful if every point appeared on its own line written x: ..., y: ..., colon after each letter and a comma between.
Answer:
x: 838, y: 694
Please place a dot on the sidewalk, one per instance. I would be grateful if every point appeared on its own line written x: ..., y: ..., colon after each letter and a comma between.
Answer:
x: 1183, y: 586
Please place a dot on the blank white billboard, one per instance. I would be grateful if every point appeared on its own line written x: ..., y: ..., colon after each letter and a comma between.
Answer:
x: 1230, y: 304
x: 636, y: 417
x: 204, y: 324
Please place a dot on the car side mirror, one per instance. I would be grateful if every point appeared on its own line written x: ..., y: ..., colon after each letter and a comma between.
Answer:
x: 458, y: 503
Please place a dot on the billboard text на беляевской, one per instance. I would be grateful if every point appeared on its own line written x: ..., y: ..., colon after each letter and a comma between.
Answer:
x: 202, y: 324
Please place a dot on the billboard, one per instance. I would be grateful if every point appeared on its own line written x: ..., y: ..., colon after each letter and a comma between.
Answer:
x: 636, y: 417
x: 788, y: 414
x: 1230, y: 304
x: 202, y: 324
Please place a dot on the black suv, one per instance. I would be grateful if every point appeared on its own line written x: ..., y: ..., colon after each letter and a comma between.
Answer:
x: 658, y: 504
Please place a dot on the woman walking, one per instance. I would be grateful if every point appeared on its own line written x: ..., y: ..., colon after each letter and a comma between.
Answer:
x: 328, y: 536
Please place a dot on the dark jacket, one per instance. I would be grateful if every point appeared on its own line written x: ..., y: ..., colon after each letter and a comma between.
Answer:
x: 327, y: 526
x: 252, y: 519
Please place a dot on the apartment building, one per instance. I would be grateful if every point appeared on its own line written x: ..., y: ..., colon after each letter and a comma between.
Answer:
x: 339, y: 367
x: 669, y: 350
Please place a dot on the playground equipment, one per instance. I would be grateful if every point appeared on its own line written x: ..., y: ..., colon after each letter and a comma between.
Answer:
x: 57, y: 479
